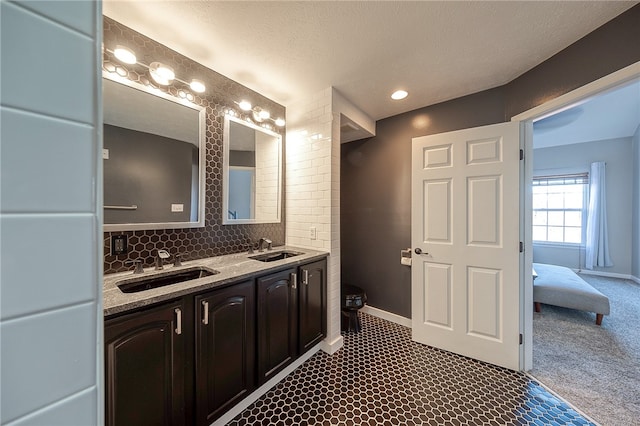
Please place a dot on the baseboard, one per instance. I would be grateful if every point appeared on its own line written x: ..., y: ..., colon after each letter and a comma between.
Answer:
x: 255, y: 395
x: 635, y: 279
x: 606, y: 274
x: 389, y: 316
x: 332, y: 347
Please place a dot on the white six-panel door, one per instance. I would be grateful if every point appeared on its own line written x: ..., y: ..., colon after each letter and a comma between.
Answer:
x: 465, y: 235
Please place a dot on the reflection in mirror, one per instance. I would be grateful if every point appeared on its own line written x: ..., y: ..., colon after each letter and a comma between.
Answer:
x: 252, y: 173
x: 153, y: 159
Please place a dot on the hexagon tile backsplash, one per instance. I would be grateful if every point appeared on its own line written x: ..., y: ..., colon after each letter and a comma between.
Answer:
x: 213, y: 239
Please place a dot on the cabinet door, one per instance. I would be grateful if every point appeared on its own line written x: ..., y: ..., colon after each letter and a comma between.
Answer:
x: 225, y: 349
x: 312, y: 304
x: 277, y: 322
x: 144, y: 367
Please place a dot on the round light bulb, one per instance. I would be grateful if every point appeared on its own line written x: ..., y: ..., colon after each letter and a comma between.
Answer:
x: 197, y: 86
x: 162, y: 74
x: 280, y: 122
x: 124, y: 54
x: 399, y: 94
x: 264, y: 114
x: 245, y: 105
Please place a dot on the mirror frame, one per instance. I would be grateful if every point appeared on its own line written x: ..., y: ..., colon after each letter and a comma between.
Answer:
x: 225, y: 172
x: 202, y: 148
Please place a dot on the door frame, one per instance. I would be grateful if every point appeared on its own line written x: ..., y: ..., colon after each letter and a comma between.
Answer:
x: 561, y: 103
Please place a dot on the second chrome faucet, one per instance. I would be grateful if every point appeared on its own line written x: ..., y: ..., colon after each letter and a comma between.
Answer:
x: 264, y: 241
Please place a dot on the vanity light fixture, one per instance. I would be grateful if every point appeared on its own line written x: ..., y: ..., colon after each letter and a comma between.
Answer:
x: 161, y: 73
x: 258, y: 114
x: 399, y: 94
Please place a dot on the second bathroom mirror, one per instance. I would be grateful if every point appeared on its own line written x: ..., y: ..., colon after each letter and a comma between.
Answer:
x: 252, y: 173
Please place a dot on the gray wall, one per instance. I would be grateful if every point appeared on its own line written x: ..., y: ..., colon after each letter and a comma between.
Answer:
x: 635, y: 252
x: 150, y: 171
x: 375, y: 195
x: 376, y: 172
x: 578, y: 157
x: 51, y: 274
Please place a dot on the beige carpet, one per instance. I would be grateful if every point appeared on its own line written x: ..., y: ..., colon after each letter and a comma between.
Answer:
x: 597, y: 369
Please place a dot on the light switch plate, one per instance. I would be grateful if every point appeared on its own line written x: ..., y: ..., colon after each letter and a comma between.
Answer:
x: 313, y: 234
x: 105, y: 154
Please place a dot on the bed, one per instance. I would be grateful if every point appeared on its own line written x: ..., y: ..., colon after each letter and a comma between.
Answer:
x: 560, y: 286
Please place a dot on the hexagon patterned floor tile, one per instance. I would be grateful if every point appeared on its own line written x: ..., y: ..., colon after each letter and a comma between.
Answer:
x: 381, y: 377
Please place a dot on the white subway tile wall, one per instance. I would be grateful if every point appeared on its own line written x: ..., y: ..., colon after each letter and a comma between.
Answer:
x: 50, y: 224
x: 312, y: 189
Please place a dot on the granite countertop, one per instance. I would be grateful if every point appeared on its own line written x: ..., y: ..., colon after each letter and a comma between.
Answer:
x: 231, y: 268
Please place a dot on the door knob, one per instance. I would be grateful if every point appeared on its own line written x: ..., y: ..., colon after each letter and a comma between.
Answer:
x: 418, y: 250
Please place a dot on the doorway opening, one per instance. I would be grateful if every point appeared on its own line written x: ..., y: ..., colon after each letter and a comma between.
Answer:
x: 598, y: 122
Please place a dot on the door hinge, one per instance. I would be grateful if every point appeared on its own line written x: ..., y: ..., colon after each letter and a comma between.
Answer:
x: 522, y: 154
x: 520, y: 338
x: 521, y: 247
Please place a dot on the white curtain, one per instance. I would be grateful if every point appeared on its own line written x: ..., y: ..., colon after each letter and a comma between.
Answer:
x: 597, y: 251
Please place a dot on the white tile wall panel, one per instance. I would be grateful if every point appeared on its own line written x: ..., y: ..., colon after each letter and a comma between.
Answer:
x: 49, y: 318
x: 34, y: 76
x: 45, y: 358
x: 312, y: 155
x: 80, y: 407
x: 48, y: 261
x: 79, y: 15
x: 39, y: 158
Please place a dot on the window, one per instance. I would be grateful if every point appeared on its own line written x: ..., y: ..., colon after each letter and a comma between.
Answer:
x: 559, y: 208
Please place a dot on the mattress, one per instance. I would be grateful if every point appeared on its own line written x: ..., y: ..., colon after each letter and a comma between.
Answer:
x: 560, y: 286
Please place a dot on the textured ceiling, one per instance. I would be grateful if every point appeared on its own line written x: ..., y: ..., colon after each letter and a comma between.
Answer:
x: 437, y: 51
x: 610, y: 115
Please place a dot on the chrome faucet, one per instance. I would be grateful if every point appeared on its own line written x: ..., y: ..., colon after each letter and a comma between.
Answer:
x: 138, y: 263
x: 160, y: 256
x: 262, y: 242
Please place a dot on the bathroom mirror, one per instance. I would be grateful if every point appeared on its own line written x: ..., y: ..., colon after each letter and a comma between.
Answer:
x: 252, y: 178
x: 153, y: 158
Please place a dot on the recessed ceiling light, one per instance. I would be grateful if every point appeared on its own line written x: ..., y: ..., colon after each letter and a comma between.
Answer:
x: 399, y: 94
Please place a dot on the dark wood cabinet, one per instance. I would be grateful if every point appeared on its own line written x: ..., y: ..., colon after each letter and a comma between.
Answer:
x: 277, y: 322
x: 189, y: 361
x: 225, y: 349
x: 312, y: 305
x: 292, y: 315
x: 144, y: 363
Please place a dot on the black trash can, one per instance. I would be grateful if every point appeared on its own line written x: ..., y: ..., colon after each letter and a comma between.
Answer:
x: 353, y: 299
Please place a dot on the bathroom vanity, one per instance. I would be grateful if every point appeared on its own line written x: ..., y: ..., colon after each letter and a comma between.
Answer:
x: 186, y: 352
